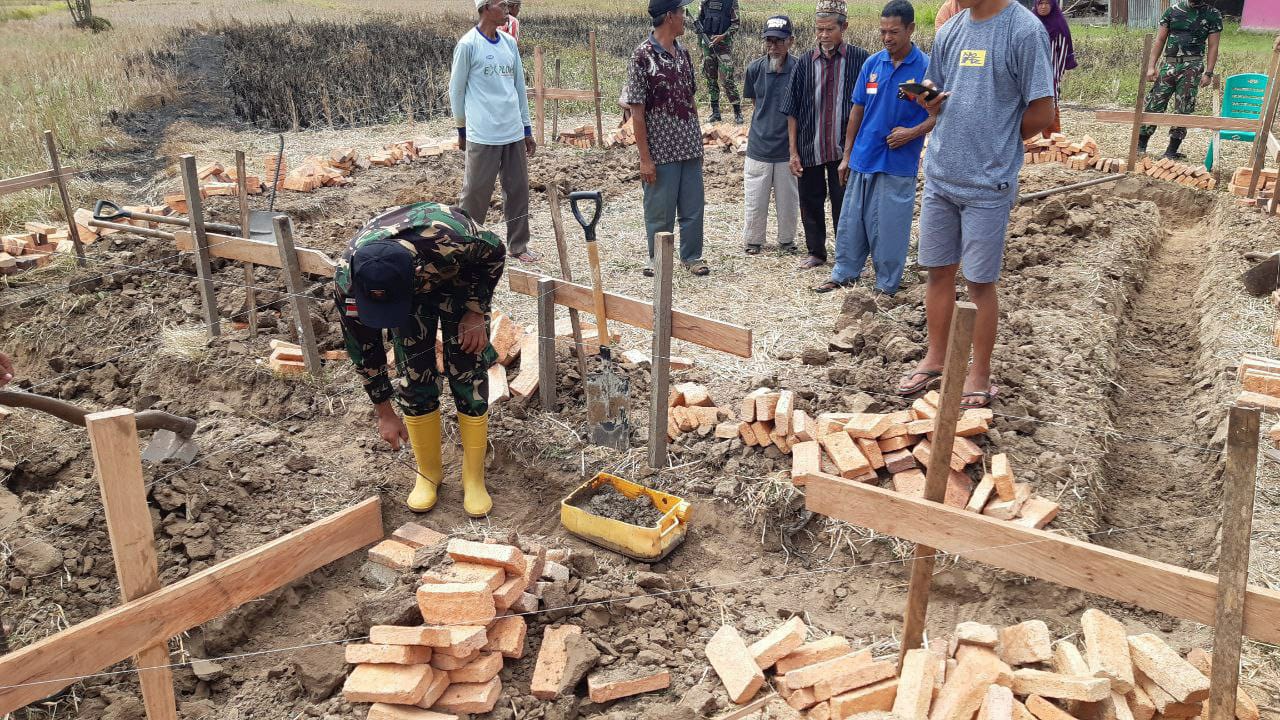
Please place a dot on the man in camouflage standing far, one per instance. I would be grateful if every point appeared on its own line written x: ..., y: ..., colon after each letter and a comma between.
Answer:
x: 716, y: 25
x: 1189, y: 34
x: 407, y: 271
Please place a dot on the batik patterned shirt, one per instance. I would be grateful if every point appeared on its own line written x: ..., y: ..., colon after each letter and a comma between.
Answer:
x: 664, y: 84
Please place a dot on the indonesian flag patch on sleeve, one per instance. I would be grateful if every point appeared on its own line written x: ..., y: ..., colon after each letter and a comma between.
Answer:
x: 349, y: 308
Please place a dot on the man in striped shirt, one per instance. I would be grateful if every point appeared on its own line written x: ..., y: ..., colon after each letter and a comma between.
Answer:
x: 818, y: 109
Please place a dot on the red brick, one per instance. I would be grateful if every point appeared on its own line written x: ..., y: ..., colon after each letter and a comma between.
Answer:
x: 814, y: 652
x: 921, y: 427
x: 603, y: 687
x: 981, y: 494
x: 803, y: 426
x: 766, y: 406
x: 444, y: 660
x: 967, y: 450
x: 510, y: 591
x: 923, y: 410
x: 470, y: 637
x: 397, y: 684
x: 470, y: 697
x: 1065, y: 687
x: 916, y: 685
x: 806, y: 457
x: 553, y: 654
x: 1026, y: 643
x: 899, y: 461
x: 527, y: 603
x: 480, y: 670
x: 871, y: 449
x: 970, y: 426
x: 1167, y: 669
x: 506, y: 636
x: 534, y: 561
x: 383, y: 711
x: 1037, y: 512
x: 879, y: 696
x: 997, y: 705
x: 843, y: 682
x: 810, y: 675
x: 911, y: 482
x: 393, y: 554
x: 845, y: 454
x: 922, y: 453
x: 784, y: 412
x: 394, y: 654
x: 438, y: 685
x: 504, y: 556
x: 1008, y: 509
x: 491, y: 577
x: 779, y: 643
x: 902, y: 442
x: 761, y: 430
x: 732, y: 661
x: 456, y: 604
x: 801, y: 699
x: 417, y: 536
x: 1002, y: 476
x: 867, y: 425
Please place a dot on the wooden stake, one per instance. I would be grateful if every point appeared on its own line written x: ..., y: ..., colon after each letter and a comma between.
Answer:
x: 1139, y: 104
x: 301, y: 303
x: 55, y: 166
x: 660, y: 363
x: 1268, y: 118
x: 959, y: 344
x: 595, y: 87
x: 1238, y: 485
x: 113, y: 438
x: 547, y: 343
x: 555, y: 105
x: 242, y: 194
x: 539, y: 95
x: 195, y: 212
x: 562, y: 249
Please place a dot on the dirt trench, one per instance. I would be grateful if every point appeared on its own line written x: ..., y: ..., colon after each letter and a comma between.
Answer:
x: 1158, y: 474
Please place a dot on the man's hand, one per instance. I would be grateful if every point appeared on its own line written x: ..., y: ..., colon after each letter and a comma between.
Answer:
x: 1206, y: 79
x: 462, y: 144
x: 717, y: 39
x: 6, y: 369
x: 648, y: 172
x: 530, y: 146
x: 934, y: 106
x: 390, y: 427
x: 471, y: 334
x: 843, y: 170
x: 899, y: 137
x: 1151, y: 74
x: 797, y: 168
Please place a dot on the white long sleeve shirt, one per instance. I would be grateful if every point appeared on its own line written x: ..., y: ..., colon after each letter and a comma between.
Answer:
x: 486, y: 89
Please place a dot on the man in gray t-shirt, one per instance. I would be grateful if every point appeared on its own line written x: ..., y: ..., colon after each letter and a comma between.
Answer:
x: 992, y: 63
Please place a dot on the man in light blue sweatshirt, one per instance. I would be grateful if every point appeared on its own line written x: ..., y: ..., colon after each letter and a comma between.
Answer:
x: 486, y: 92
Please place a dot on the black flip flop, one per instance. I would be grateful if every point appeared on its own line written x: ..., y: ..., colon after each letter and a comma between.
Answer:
x: 912, y: 389
x: 984, y: 398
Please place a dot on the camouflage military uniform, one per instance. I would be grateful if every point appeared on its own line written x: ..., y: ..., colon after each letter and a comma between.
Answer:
x: 457, y: 265
x: 716, y: 17
x: 1189, y: 29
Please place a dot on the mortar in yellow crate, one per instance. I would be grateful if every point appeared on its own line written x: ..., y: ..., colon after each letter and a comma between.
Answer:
x: 639, y: 542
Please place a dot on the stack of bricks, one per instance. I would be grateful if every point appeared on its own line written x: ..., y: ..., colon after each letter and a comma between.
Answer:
x: 624, y: 136
x: 766, y: 417
x: 1260, y: 382
x: 215, y: 180
x: 1082, y: 155
x: 1011, y: 673
x: 895, y: 447
x: 33, y: 248
x: 583, y: 137
x: 1265, y: 190
x: 472, y: 614
x: 1190, y: 175
x: 691, y: 409
x: 730, y: 137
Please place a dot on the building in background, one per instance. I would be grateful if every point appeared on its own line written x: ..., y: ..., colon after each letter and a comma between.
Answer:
x: 1260, y: 15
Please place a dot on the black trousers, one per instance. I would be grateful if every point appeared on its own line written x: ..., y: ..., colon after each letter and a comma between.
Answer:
x: 817, y: 184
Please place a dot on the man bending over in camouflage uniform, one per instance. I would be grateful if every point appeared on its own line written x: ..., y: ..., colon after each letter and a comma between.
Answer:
x: 716, y: 24
x: 405, y: 271
x: 1186, y: 28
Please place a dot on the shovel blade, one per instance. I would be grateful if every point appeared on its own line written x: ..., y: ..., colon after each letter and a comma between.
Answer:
x: 168, y: 445
x: 608, y: 395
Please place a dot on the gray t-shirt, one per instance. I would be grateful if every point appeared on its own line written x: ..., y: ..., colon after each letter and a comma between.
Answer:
x: 767, y: 141
x: 993, y: 70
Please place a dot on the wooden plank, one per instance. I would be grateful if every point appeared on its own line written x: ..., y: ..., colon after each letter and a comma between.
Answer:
x: 664, y: 251
x: 195, y: 211
x: 298, y: 297
x: 539, y: 95
x: 1036, y: 553
x: 959, y: 343
x: 258, y: 252
x: 708, y: 333
x: 547, y: 343
x: 566, y: 273
x: 1138, y: 103
x: 564, y: 94
x: 1268, y: 118
x: 60, y: 178
x: 242, y: 197
x: 595, y: 89
x: 32, y: 180
x: 49, y: 665
x: 1188, y: 121
x: 1238, y: 486
x: 113, y: 439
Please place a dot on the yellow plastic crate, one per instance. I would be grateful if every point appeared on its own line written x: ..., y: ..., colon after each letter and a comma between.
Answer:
x: 647, y: 544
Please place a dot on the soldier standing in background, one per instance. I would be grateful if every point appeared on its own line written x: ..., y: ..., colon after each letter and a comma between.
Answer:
x: 716, y: 25
x: 1189, y: 34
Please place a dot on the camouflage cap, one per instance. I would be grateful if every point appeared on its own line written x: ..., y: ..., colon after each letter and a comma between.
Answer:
x: 832, y: 7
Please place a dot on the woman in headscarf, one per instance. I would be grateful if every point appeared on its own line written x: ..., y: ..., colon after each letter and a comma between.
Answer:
x: 1061, y: 52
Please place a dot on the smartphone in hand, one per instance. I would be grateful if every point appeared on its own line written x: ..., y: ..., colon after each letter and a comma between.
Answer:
x: 918, y: 90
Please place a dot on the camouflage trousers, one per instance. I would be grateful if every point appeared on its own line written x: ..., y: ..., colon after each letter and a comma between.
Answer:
x: 1178, y: 80
x: 717, y: 68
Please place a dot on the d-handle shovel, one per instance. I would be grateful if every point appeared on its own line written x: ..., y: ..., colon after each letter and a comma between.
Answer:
x: 608, y: 390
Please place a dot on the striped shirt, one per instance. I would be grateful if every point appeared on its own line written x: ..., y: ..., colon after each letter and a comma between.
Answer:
x: 819, y: 101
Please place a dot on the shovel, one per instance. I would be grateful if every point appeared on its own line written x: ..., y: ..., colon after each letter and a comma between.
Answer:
x: 171, y: 440
x: 607, y: 390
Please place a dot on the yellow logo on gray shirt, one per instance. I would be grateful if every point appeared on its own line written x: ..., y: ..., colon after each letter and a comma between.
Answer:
x: 973, y: 58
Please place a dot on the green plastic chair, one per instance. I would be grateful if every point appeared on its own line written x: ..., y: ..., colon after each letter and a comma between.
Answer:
x: 1242, y: 97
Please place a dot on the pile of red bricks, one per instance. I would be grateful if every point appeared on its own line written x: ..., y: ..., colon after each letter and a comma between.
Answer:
x: 583, y: 136
x: 1011, y: 673
x: 895, y: 448
x: 35, y: 247
x: 1192, y: 175
x: 1081, y: 155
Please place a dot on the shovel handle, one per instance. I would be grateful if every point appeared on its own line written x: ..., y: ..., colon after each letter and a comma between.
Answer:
x: 107, y: 210
x: 146, y: 420
x: 594, y: 196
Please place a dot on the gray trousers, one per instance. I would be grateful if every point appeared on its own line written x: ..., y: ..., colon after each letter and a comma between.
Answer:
x: 484, y: 164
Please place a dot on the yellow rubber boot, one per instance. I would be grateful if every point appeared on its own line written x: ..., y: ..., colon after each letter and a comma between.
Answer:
x: 475, y: 440
x: 424, y: 437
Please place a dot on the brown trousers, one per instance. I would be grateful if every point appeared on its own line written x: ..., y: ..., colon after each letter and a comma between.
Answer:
x: 484, y: 164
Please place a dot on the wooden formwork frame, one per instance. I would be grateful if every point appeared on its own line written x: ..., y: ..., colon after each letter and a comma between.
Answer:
x: 1227, y: 602
x: 55, y: 175
x: 151, y: 614
x: 542, y: 93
